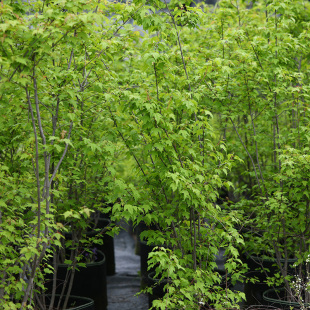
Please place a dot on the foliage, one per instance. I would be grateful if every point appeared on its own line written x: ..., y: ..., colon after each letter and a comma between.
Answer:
x: 201, y: 101
x: 166, y: 129
x: 255, y: 81
x: 48, y: 58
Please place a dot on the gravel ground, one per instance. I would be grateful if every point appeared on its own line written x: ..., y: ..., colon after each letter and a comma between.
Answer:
x: 123, y: 286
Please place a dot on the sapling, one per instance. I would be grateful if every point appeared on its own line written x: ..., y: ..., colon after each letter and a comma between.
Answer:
x: 51, y: 56
x: 165, y: 127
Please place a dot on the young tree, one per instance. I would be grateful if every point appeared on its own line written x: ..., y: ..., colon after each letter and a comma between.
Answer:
x: 54, y: 82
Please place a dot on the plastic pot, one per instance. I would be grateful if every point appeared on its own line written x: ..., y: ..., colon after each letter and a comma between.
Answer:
x: 90, y: 282
x: 276, y: 298
x: 256, y: 262
x: 138, y: 230
x: 157, y: 288
x: 145, y: 249
x: 261, y: 268
x: 254, y: 291
x: 107, y: 247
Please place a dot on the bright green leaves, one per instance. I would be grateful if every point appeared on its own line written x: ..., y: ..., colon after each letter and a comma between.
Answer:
x: 57, y: 144
x: 145, y: 125
x: 186, y: 287
x: 161, y: 116
x: 149, y: 20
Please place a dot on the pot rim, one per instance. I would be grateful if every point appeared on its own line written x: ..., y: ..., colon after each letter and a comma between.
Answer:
x: 261, y: 307
x: 89, y: 301
x: 270, y: 259
x: 101, y: 262
x: 280, y: 301
x: 151, y: 275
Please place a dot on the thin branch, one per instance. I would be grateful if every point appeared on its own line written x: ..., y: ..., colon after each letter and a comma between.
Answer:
x: 70, y: 59
x: 62, y: 156
x: 35, y: 264
x: 36, y: 162
x: 180, y: 46
x: 257, y: 179
x: 134, y: 156
x: 255, y: 141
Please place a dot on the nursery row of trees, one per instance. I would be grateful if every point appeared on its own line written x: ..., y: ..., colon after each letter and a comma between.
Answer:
x: 198, y: 126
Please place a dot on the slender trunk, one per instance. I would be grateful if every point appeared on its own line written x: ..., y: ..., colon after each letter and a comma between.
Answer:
x: 69, y: 277
x: 55, y: 264
x: 253, y: 164
x: 256, y: 150
x: 195, y: 237
x: 3, y: 279
x: 276, y: 117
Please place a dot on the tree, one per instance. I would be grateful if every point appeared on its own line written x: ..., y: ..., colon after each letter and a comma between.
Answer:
x: 53, y: 81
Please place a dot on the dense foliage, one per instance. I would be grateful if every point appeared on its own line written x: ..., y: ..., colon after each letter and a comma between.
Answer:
x: 196, y: 125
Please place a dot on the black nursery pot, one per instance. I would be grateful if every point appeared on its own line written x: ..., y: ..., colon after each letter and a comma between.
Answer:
x: 107, y: 247
x: 254, y: 291
x: 276, y: 298
x: 255, y: 262
x: 90, y: 282
x: 74, y: 303
x: 225, y: 280
x: 138, y: 230
x: 145, y: 249
x: 157, y: 288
